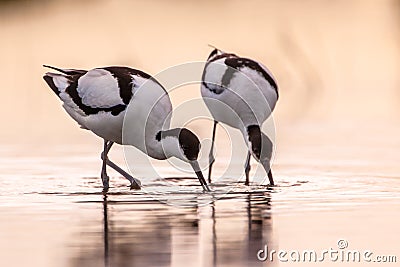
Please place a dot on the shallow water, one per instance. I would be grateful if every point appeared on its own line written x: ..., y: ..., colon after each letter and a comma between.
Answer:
x: 52, y: 213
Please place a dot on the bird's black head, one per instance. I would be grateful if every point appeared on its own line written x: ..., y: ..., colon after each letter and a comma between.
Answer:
x: 184, y: 145
x: 254, y: 135
x: 189, y: 144
x: 180, y: 143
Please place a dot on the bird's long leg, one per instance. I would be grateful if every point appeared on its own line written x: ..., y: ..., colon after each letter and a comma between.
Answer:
x: 267, y: 148
x: 135, y: 183
x: 247, y: 168
x: 270, y: 177
x: 211, y: 158
x: 104, y: 177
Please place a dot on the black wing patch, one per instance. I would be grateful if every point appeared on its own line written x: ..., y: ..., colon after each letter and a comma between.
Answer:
x: 88, y: 110
x: 238, y: 63
x: 213, y: 53
x: 218, y: 88
x: 50, y: 83
x: 124, y: 78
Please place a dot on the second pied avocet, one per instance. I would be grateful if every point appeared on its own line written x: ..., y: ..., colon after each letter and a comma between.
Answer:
x: 250, y: 92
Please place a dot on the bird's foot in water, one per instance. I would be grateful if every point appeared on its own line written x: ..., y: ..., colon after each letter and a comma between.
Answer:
x: 105, y: 190
x: 105, y: 179
x: 135, y: 184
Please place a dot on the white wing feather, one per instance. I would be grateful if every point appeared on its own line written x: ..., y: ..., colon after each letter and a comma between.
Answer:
x: 98, y: 88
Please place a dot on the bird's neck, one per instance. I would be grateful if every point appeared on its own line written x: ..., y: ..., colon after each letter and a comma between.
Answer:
x: 148, y: 141
x: 254, y: 137
x: 165, y: 144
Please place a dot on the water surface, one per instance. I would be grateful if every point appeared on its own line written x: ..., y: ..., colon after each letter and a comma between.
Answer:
x: 52, y: 213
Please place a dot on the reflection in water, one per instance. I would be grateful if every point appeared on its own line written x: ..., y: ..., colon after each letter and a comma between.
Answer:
x: 105, y: 230
x: 228, y: 231
x: 214, y: 235
x: 63, y: 218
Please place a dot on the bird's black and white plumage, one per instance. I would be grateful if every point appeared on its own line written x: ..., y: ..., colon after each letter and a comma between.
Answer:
x: 242, y: 93
x: 99, y: 99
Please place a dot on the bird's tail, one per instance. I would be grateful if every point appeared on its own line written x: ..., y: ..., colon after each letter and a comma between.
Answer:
x: 66, y: 71
x: 57, y: 82
x: 216, y: 48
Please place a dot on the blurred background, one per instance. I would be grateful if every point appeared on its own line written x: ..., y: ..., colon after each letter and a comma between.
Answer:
x: 337, y: 123
x: 334, y: 60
